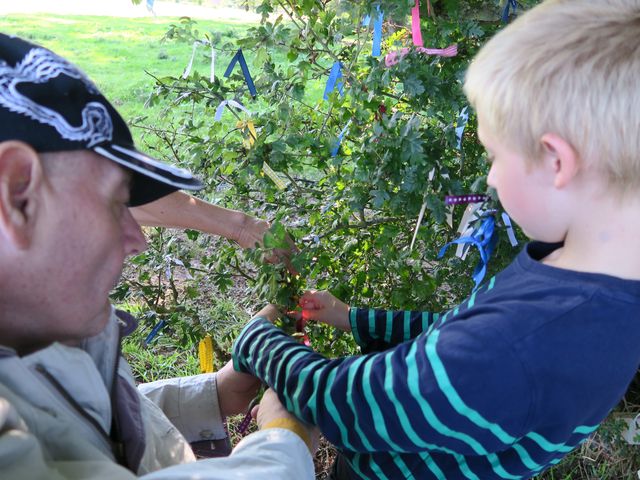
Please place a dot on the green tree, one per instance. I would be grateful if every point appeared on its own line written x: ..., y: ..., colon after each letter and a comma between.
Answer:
x: 351, y: 206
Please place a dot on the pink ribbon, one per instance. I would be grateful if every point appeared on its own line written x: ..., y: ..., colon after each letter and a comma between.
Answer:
x: 415, y: 25
x: 392, y: 58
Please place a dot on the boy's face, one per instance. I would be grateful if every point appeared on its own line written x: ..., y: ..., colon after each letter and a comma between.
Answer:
x: 521, y: 188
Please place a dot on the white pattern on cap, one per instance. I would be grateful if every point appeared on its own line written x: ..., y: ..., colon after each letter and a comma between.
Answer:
x: 39, y: 66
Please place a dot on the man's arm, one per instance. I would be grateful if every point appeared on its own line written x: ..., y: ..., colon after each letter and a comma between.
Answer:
x: 270, y: 453
x: 180, y: 210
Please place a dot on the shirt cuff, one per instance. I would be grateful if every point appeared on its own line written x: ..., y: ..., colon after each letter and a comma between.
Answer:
x: 191, y: 403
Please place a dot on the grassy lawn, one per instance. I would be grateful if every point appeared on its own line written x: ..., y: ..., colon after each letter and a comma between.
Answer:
x: 115, y: 52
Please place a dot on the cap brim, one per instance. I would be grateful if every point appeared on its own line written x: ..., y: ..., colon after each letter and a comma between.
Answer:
x: 152, y: 179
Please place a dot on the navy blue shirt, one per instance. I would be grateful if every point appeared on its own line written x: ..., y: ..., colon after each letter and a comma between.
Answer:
x: 502, y: 386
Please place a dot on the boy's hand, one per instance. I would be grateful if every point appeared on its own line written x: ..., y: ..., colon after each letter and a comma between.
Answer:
x: 324, y: 307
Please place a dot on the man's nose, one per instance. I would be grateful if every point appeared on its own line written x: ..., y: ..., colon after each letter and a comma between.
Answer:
x: 134, y: 240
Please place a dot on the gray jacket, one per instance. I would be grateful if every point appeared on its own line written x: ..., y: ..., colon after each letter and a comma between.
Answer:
x: 57, y: 405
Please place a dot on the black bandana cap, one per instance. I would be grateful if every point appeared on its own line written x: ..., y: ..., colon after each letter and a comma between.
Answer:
x: 48, y: 103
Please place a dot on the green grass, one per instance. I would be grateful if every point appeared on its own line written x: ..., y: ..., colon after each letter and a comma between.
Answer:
x: 115, y: 52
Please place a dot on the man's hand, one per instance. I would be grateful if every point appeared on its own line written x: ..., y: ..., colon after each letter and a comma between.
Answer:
x: 270, y: 312
x: 271, y: 409
x: 321, y: 306
x: 250, y: 231
x: 235, y: 390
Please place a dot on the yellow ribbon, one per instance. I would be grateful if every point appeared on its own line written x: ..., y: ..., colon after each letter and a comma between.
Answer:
x: 205, y: 354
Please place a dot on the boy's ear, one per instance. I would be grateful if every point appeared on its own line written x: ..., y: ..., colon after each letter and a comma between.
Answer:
x: 20, y: 179
x: 561, y: 158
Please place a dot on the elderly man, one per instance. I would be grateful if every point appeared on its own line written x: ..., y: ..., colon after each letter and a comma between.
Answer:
x: 68, y: 403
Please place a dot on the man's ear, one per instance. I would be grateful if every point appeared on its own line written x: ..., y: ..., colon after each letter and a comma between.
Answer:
x: 561, y: 158
x: 20, y: 181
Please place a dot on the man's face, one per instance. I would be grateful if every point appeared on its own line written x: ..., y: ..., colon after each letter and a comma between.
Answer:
x: 87, y: 233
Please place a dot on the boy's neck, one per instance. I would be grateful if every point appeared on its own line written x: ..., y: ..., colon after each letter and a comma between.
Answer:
x: 602, y: 238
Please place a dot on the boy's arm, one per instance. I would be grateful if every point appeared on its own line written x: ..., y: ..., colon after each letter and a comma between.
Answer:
x: 373, y: 330
x: 377, y: 330
x: 432, y: 393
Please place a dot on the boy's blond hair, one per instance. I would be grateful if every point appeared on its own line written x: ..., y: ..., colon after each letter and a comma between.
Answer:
x: 570, y: 67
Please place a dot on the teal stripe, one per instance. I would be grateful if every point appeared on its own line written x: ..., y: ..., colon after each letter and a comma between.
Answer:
x: 255, y: 337
x: 413, y: 380
x: 434, y: 321
x: 547, y: 445
x: 464, y: 468
x: 387, y: 327
x: 402, y: 415
x: 463, y: 409
x: 454, y: 398
x: 586, y: 430
x: 354, y: 462
x: 349, y: 397
x: 354, y: 326
x: 497, y: 467
x: 376, y: 469
x: 492, y: 283
x: 407, y: 325
x: 408, y: 428
x: 333, y: 411
x: 432, y: 466
x: 472, y: 300
x: 293, y: 400
x: 425, y: 321
x: 455, y: 311
x: 378, y: 417
x: 402, y: 466
x: 372, y: 322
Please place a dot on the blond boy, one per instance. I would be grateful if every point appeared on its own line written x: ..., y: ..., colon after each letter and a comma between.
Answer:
x: 510, y: 381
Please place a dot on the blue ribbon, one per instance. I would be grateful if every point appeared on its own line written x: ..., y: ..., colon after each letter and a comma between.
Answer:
x: 336, y: 147
x: 377, y: 33
x: 505, y: 12
x: 334, y: 75
x: 463, y: 118
x: 239, y: 57
x: 154, y: 332
x: 484, y: 240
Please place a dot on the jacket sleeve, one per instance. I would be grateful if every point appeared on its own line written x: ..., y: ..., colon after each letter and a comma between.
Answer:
x: 377, y: 330
x: 191, y: 403
x: 271, y: 453
x: 455, y: 389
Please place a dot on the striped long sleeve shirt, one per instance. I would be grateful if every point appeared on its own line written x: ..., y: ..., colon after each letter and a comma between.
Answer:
x: 503, y: 386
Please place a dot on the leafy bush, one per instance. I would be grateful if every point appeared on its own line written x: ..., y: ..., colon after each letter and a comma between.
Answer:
x: 352, y: 210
